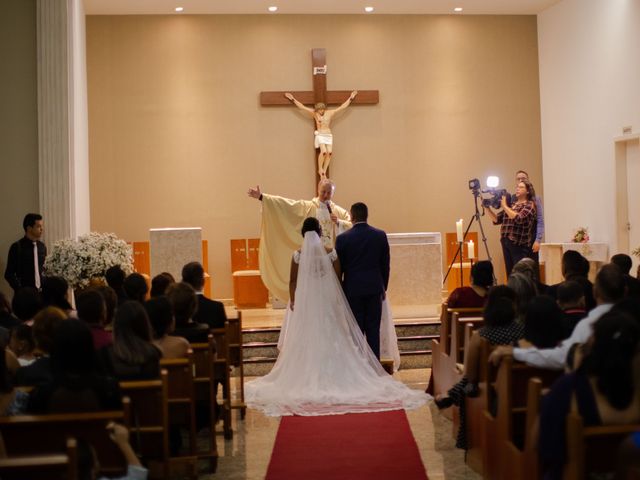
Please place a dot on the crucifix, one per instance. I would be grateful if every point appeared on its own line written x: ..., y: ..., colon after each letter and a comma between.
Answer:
x: 320, y: 97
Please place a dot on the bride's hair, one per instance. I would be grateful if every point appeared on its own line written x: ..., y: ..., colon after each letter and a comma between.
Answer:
x: 311, y: 224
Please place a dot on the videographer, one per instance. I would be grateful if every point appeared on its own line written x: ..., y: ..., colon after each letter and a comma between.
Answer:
x: 522, y: 176
x: 518, y: 222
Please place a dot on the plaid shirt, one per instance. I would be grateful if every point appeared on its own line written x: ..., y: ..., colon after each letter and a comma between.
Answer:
x: 520, y: 228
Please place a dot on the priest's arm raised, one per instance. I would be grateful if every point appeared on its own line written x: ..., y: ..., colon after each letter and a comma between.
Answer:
x: 280, y: 231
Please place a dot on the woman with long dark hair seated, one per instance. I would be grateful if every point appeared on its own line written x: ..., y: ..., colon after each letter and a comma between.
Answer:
x: 604, y: 390
x: 78, y: 384
x: 132, y: 355
x: 475, y: 295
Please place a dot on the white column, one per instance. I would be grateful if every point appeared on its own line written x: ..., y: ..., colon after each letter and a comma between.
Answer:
x: 62, y: 119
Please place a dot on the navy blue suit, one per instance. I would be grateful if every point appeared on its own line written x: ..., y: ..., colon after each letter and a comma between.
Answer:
x: 364, y: 257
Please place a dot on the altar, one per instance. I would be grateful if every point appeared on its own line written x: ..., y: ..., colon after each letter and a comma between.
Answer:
x: 416, y: 269
x: 551, y: 256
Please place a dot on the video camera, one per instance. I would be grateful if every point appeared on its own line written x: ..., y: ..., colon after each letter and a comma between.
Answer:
x: 494, y: 194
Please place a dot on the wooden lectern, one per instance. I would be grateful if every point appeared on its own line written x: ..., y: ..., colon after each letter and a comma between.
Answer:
x: 248, y: 289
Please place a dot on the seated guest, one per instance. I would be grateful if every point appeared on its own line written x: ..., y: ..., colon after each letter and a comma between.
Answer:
x: 22, y: 344
x: 77, y: 384
x: 111, y: 303
x: 132, y: 356
x: 160, y: 283
x: 135, y: 286
x: 543, y: 327
x: 575, y: 267
x: 625, y: 263
x: 26, y: 302
x: 525, y: 290
x: 609, y: 289
x: 604, y: 390
x: 12, y: 401
x: 209, y: 311
x: 500, y: 328
x: 530, y: 268
x: 115, y: 277
x: 570, y: 298
x: 475, y: 295
x: 45, y: 324
x: 163, y: 324
x: 7, y: 319
x: 54, y: 294
x: 93, y: 311
x: 185, y: 303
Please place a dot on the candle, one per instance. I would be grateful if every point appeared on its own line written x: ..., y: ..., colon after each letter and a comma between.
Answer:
x: 459, y: 230
x: 471, y: 250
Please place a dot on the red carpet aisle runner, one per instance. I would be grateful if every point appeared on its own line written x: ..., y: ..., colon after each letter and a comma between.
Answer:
x: 362, y: 446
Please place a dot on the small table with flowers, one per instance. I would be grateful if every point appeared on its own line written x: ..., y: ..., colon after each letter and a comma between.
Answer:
x: 551, y: 256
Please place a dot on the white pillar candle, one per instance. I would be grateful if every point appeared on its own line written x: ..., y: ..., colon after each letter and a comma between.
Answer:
x: 459, y: 230
x: 471, y: 249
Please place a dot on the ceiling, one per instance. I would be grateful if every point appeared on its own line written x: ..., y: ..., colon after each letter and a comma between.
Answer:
x: 164, y: 7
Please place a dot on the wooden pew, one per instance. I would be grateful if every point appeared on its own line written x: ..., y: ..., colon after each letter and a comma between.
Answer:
x: 592, y: 449
x: 458, y: 325
x: 35, y: 434
x: 443, y: 367
x: 149, y: 431
x: 234, y: 335
x: 508, y: 422
x: 222, y: 374
x: 42, y: 467
x: 204, y: 355
x: 523, y: 463
x: 182, y: 407
x: 476, y: 406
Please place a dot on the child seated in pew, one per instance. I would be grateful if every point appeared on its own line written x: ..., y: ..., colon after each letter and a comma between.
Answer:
x: 605, y: 389
x: 500, y: 328
x: 163, y: 324
x: 22, y: 345
x: 88, y: 466
x: 132, y: 356
x: 474, y: 296
x: 77, y: 385
x: 570, y: 298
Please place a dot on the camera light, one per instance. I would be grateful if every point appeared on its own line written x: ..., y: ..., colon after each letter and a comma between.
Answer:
x: 493, y: 182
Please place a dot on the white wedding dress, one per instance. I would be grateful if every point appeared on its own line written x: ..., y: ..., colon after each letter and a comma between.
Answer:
x: 325, y: 365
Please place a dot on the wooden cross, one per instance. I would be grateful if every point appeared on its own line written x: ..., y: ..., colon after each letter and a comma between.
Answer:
x: 320, y: 94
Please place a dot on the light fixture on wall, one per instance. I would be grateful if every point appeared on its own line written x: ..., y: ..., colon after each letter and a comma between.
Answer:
x: 368, y: 9
x: 179, y: 9
x: 457, y: 9
x: 273, y: 8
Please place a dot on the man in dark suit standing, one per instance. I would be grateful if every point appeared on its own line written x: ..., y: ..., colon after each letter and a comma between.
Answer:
x: 364, y: 257
x: 209, y: 311
x: 26, y: 256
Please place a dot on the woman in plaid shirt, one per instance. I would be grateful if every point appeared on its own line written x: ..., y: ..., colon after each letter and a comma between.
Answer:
x: 518, y: 222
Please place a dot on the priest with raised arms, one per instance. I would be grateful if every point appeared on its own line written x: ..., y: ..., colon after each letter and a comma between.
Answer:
x: 280, y: 233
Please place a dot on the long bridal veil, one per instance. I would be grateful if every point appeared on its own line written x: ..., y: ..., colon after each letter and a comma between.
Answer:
x: 325, y: 365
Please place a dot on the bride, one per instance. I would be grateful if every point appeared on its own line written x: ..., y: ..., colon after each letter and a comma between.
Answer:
x: 325, y: 365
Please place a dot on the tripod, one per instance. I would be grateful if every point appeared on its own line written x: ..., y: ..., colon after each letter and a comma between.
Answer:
x: 476, y: 216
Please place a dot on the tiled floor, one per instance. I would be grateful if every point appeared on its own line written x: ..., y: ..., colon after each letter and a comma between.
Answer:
x: 246, y: 456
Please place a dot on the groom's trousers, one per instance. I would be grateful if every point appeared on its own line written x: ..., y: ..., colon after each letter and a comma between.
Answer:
x: 368, y: 311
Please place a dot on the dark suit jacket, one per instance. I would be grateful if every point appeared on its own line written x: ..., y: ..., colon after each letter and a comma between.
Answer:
x: 210, y: 312
x: 37, y: 373
x: 20, y: 272
x: 364, y: 256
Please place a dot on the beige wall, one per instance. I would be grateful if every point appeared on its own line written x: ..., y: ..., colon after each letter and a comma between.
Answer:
x: 177, y: 134
x: 18, y: 122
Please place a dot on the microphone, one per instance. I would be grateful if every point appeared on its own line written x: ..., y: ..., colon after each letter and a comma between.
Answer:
x: 328, y: 204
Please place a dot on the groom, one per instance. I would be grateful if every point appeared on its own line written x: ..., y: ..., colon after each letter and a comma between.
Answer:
x: 364, y: 256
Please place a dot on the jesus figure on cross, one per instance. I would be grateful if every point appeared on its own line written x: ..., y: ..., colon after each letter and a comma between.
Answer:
x: 323, y: 135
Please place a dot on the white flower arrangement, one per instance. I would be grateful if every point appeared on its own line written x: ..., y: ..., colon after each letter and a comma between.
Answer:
x: 88, y: 257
